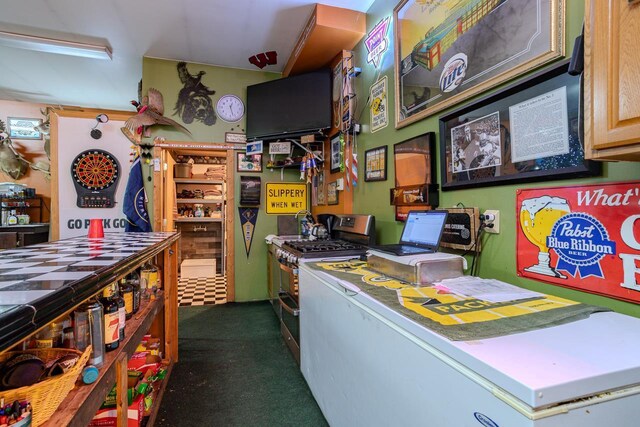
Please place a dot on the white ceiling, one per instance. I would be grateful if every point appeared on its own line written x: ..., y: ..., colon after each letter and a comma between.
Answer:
x: 218, y: 32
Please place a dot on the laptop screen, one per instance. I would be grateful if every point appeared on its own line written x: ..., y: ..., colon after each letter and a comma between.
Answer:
x: 424, y: 227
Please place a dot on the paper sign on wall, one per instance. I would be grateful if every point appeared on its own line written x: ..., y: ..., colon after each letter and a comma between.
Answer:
x: 254, y: 147
x: 379, y: 110
x: 582, y: 237
x: 286, y: 198
x: 280, y: 147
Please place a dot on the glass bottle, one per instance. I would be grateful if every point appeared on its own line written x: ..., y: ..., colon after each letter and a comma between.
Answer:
x: 157, y: 283
x: 126, y: 292
x: 111, y: 319
x: 134, y: 280
x: 122, y: 312
x: 145, y: 274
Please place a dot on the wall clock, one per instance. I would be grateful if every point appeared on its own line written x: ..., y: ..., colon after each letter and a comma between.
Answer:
x: 95, y: 176
x: 230, y: 108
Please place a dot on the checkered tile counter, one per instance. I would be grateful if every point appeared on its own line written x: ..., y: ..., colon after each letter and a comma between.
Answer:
x: 40, y: 282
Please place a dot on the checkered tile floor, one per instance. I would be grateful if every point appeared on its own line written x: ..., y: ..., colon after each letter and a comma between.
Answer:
x: 202, y: 291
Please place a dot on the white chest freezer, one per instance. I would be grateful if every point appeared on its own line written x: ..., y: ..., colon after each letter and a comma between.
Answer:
x: 368, y: 365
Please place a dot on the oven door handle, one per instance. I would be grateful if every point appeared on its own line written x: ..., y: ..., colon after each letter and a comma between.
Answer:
x: 292, y: 311
x: 291, y: 271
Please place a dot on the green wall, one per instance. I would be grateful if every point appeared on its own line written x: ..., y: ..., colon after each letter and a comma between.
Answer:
x: 498, y: 258
x: 251, y: 271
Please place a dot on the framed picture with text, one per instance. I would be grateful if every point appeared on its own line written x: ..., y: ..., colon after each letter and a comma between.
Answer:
x: 375, y: 164
x: 529, y: 131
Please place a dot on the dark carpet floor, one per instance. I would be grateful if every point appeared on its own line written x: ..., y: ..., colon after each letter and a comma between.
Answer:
x: 235, y: 370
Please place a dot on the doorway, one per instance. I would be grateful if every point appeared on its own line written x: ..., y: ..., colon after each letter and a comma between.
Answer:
x: 196, y: 199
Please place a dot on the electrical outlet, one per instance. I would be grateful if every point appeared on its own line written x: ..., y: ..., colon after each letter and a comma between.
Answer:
x: 494, y: 219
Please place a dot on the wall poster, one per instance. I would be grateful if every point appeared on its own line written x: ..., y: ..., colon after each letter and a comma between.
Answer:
x: 415, y: 166
x: 449, y: 50
x: 582, y: 237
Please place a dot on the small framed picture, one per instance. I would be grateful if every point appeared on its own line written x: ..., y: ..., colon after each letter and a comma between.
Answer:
x: 332, y: 193
x: 336, y: 153
x: 249, y: 162
x: 23, y: 128
x: 375, y: 164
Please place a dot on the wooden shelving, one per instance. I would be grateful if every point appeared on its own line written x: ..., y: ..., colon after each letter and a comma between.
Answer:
x: 81, y: 404
x: 203, y: 219
x: 202, y: 201
x: 197, y: 181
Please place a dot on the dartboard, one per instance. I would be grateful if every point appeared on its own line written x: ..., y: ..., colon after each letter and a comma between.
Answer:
x: 95, y: 169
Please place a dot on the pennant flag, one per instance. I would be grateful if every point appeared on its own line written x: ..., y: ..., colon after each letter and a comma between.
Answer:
x: 134, y: 206
x: 248, y: 218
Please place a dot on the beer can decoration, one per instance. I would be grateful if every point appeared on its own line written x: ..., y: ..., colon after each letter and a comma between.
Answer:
x: 583, y: 237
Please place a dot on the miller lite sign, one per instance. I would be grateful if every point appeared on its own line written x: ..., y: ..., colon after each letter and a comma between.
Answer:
x: 582, y: 237
x: 453, y: 73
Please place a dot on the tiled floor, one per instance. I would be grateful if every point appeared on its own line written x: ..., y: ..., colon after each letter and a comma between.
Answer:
x: 202, y: 291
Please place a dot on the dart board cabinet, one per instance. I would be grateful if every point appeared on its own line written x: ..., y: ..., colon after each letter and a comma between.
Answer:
x: 95, y: 175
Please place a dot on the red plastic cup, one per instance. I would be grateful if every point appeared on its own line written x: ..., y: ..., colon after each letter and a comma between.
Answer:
x: 95, y: 229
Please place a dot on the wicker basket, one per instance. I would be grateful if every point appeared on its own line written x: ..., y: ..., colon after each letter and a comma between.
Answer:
x: 45, y: 396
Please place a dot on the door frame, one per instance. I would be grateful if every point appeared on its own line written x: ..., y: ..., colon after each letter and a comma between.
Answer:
x: 163, y: 183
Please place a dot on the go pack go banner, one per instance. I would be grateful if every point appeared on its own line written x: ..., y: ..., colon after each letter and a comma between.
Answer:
x: 585, y: 237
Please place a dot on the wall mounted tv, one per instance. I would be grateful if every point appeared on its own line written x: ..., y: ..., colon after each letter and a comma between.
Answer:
x: 289, y: 107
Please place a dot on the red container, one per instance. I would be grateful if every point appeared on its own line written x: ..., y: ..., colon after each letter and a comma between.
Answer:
x: 95, y: 229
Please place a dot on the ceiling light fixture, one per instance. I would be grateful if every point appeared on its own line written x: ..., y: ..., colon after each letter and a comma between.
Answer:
x: 62, y: 47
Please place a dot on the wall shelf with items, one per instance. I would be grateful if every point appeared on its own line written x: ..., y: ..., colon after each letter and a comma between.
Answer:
x: 296, y: 152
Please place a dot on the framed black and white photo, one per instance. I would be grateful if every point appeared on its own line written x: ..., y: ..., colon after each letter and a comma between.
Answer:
x: 23, y: 128
x: 375, y: 166
x: 336, y: 153
x: 529, y: 131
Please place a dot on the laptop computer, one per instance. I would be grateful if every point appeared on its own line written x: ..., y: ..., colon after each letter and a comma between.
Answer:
x: 421, y: 234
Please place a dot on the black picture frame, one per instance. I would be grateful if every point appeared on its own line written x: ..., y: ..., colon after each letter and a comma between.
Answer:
x: 335, y: 150
x: 478, y: 145
x: 375, y: 164
x: 250, y: 190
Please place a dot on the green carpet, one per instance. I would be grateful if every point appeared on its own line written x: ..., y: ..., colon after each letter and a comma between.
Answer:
x: 235, y: 370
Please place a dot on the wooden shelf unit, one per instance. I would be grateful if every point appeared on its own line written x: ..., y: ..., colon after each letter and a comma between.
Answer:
x: 81, y: 404
x: 157, y: 316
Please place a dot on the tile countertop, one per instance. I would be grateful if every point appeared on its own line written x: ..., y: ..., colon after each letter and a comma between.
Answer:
x: 40, y: 282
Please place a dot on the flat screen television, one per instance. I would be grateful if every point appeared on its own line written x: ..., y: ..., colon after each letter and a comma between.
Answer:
x: 289, y: 107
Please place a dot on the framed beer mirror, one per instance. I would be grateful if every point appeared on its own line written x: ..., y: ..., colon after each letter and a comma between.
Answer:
x: 530, y: 131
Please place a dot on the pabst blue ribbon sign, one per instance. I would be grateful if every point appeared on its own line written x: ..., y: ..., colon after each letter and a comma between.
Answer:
x: 583, y: 237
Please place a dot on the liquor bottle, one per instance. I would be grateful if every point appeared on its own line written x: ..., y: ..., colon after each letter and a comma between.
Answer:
x: 145, y: 273
x: 134, y: 280
x: 122, y: 312
x: 111, y: 319
x: 126, y: 292
x: 12, y: 219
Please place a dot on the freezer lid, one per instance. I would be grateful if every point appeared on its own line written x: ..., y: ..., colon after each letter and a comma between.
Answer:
x: 541, y: 368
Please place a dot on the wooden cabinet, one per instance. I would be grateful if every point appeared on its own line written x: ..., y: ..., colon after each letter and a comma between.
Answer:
x: 612, y: 80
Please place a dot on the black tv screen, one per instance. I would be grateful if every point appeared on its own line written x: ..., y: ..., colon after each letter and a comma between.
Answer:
x: 291, y: 106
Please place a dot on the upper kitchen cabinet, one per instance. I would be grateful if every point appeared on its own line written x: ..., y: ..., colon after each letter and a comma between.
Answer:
x: 612, y: 80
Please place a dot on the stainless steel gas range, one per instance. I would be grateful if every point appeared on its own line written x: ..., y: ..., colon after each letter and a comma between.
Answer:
x: 349, y: 237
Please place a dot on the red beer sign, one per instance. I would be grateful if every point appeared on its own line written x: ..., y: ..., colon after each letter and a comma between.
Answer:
x: 585, y: 237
